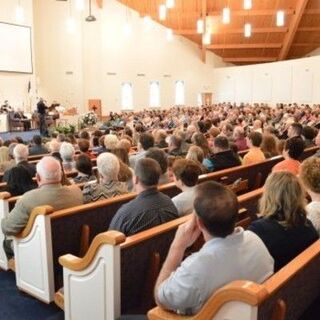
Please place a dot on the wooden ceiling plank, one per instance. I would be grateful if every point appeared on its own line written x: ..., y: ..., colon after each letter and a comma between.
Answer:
x: 246, y: 46
x: 295, y: 21
x: 250, y: 59
x: 309, y: 29
x: 234, y: 31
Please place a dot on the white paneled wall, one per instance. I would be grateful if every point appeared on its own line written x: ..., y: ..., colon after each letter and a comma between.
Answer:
x: 288, y: 81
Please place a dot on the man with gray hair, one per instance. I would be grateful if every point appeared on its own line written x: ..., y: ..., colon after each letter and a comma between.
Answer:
x: 109, y: 185
x: 20, y: 154
x: 50, y: 192
x: 150, y: 208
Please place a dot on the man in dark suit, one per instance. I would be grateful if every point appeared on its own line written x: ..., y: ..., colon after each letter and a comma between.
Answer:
x: 41, y: 108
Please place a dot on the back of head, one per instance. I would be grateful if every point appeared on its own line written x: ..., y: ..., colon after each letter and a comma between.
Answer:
x: 84, y: 135
x: 84, y: 164
x: 146, y: 141
x: 110, y: 141
x: 295, y: 147
x: 296, y: 129
x: 175, y: 141
x: 148, y: 171
x: 310, y: 174
x: 217, y: 208
x: 108, y: 166
x: 49, y: 170
x: 21, y: 152
x: 255, y: 138
x: 19, y: 181
x: 160, y: 156
x: 83, y: 145
x: 125, y: 144
x: 195, y: 153
x: 283, y: 199
x: 54, y: 146
x: 37, y: 140
x: 309, y: 132
x: 222, y: 143
x: 67, y: 151
x: 122, y: 154
x: 187, y: 171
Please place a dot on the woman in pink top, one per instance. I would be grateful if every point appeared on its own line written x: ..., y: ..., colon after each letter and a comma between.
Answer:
x: 293, y: 149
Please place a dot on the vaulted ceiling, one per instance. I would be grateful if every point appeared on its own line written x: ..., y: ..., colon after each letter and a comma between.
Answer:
x: 299, y: 36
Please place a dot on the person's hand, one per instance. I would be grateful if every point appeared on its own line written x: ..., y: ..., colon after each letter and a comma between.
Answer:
x: 187, y: 234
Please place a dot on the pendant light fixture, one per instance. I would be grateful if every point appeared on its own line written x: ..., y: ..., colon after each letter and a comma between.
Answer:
x: 90, y: 17
x: 226, y: 15
x: 247, y: 30
x: 247, y: 4
x: 280, y: 18
x: 170, y: 4
x: 162, y: 12
x: 200, y: 26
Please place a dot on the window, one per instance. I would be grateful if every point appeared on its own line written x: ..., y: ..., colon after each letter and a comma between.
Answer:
x: 199, y: 100
x: 126, y: 96
x: 179, y: 99
x: 154, y: 94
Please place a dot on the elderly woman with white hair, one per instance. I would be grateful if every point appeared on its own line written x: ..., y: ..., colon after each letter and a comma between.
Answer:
x: 109, y: 185
x: 67, y: 153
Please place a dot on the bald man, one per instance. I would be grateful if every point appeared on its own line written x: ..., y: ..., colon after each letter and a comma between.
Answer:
x: 50, y: 192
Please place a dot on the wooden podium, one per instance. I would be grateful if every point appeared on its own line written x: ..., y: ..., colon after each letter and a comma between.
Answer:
x: 95, y: 105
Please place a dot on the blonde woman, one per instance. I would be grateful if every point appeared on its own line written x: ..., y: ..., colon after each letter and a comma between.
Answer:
x: 196, y: 154
x: 310, y: 177
x: 284, y: 228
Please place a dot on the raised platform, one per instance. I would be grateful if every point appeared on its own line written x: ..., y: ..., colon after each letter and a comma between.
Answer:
x: 25, y: 135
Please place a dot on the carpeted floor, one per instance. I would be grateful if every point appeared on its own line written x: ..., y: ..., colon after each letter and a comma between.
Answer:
x: 16, y: 305
x: 25, y: 135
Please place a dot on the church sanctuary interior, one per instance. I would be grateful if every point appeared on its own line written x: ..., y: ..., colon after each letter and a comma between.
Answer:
x: 159, y: 159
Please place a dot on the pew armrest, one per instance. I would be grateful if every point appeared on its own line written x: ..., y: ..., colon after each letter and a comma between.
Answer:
x: 237, y: 293
x: 92, y: 283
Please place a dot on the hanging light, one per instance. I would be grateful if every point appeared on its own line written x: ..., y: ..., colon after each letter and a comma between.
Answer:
x: 170, y: 4
x: 162, y: 12
x: 79, y: 5
x: 71, y: 25
x: 206, y: 39
x: 169, y: 34
x: 19, y: 13
x: 280, y: 18
x: 247, y: 4
x: 200, y: 26
x: 226, y: 15
x: 247, y: 30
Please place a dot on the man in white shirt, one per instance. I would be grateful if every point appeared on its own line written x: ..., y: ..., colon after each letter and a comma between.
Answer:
x: 228, y: 254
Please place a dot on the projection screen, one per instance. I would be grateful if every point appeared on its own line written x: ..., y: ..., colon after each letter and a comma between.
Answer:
x: 15, y: 48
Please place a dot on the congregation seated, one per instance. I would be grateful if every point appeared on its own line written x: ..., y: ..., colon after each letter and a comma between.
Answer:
x: 84, y: 168
x: 185, y: 177
x: 67, y: 153
x: 108, y: 186
x: 160, y: 139
x: 228, y: 254
x: 84, y: 146
x: 255, y: 154
x: 50, y: 192
x: 175, y: 146
x: 310, y: 177
x: 146, y: 141
x: 293, y: 149
x: 37, y: 147
x: 150, y: 208
x: 284, y: 228
x: 161, y: 157
x: 20, y: 154
x: 308, y: 135
x: 223, y: 157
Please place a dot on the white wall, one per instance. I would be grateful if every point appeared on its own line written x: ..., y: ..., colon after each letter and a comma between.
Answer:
x: 101, y: 47
x: 287, y: 81
x: 14, y: 86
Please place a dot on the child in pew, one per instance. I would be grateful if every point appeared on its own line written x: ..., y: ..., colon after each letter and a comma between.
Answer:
x: 310, y: 177
x: 185, y: 176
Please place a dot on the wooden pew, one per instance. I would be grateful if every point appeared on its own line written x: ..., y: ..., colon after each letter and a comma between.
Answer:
x: 44, y: 240
x: 136, y: 260
x: 297, y: 284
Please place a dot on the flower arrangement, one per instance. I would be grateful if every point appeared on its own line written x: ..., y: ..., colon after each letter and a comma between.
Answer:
x: 65, y: 129
x: 88, y: 119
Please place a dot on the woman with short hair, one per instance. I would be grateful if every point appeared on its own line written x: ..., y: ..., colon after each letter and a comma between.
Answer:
x: 284, y: 228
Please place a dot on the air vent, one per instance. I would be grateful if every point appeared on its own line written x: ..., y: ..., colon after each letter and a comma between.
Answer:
x: 69, y: 73
x: 141, y: 74
x: 167, y: 75
x: 111, y: 73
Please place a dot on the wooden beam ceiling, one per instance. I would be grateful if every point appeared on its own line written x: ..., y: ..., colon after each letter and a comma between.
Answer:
x: 245, y: 46
x: 233, y: 31
x: 301, y: 6
x: 250, y: 59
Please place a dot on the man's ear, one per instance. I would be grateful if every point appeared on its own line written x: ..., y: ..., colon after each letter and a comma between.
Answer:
x: 38, y: 178
x: 200, y: 223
